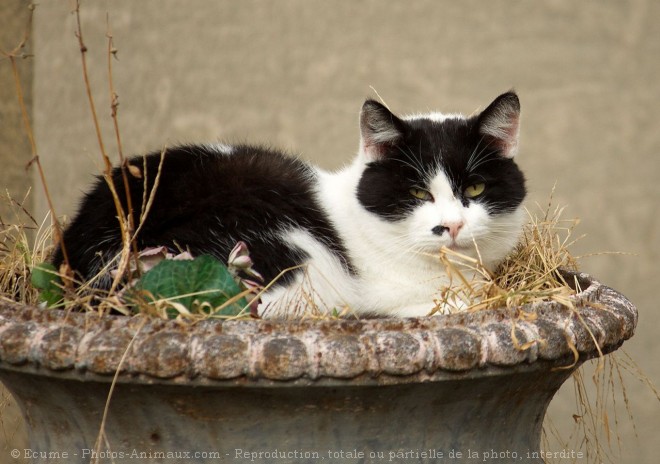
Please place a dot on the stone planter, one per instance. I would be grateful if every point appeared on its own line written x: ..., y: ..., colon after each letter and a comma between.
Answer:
x: 383, y: 390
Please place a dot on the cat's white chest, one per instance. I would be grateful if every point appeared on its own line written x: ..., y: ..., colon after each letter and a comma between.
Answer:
x: 380, y: 285
x: 390, y: 278
x: 401, y: 288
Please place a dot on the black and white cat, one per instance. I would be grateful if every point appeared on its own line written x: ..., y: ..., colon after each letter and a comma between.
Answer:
x: 365, y: 237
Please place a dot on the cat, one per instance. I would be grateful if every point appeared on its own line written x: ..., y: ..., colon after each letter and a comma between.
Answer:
x: 366, y: 237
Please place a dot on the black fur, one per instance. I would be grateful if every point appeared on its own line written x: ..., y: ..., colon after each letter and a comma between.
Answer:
x: 205, y: 202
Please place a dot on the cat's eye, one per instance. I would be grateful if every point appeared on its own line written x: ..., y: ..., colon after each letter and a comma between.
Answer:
x: 421, y: 194
x: 475, y: 190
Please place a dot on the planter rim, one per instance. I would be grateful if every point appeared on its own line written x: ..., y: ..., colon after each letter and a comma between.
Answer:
x: 263, y: 352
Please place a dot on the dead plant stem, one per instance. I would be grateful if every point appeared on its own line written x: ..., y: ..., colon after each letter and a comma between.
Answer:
x: 114, y: 104
x: 107, y: 174
x: 88, y: 88
x: 12, y: 55
x: 101, y: 435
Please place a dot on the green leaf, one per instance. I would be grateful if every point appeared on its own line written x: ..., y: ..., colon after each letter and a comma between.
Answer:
x: 46, y: 279
x: 194, y: 284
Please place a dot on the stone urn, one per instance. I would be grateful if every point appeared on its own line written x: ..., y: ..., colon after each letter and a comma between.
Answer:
x: 436, y: 389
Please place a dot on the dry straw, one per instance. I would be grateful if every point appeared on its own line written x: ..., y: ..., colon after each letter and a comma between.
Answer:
x: 532, y: 273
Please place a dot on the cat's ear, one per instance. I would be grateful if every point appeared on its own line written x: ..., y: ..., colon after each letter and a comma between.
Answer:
x: 379, y: 128
x: 500, y: 122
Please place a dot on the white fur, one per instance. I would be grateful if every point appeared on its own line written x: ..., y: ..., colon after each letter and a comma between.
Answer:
x: 222, y: 148
x: 383, y: 134
x: 322, y: 285
x: 434, y: 116
x: 504, y: 126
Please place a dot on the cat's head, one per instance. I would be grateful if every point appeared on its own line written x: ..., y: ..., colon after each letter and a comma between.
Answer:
x: 438, y: 180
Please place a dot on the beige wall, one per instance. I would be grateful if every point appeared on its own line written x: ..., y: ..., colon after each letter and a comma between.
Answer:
x: 294, y: 73
x: 14, y: 147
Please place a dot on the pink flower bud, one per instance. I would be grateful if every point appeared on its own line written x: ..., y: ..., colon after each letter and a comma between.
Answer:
x: 242, y: 262
x: 240, y: 249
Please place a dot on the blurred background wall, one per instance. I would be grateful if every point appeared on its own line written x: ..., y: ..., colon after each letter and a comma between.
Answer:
x: 294, y: 73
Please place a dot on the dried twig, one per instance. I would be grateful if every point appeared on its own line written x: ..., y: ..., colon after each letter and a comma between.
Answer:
x: 12, y: 57
x: 123, y: 162
x: 107, y: 173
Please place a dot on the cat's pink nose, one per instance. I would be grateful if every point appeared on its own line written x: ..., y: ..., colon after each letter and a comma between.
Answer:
x: 453, y: 228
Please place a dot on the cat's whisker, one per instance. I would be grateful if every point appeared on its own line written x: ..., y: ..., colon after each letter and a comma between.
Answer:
x: 476, y: 153
x: 412, y: 162
x: 477, y: 158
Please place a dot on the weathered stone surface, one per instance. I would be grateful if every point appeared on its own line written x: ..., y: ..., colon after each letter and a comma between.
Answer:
x: 256, y: 350
x: 163, y: 354
x: 104, y: 350
x: 342, y: 356
x: 281, y: 358
x: 459, y: 349
x: 220, y: 356
x: 15, y: 341
x: 57, y: 348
